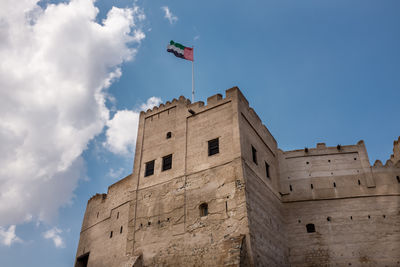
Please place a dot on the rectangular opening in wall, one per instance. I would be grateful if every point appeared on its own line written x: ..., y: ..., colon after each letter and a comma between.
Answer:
x: 167, y: 162
x: 82, y: 261
x: 254, y: 154
x: 213, y: 147
x: 267, y: 170
x: 149, y: 170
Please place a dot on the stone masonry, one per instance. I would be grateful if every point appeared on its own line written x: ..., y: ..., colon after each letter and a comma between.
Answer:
x: 210, y: 187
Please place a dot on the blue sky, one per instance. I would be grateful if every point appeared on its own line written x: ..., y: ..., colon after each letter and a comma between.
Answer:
x: 314, y: 71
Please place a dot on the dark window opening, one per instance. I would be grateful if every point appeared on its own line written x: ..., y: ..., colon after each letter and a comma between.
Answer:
x: 213, y: 147
x: 290, y: 187
x: 167, y: 162
x: 369, y: 216
x: 355, y: 158
x: 226, y: 206
x: 120, y: 230
x: 82, y: 261
x: 306, y: 149
x: 117, y: 214
x: 254, y: 154
x: 334, y: 184
x: 149, y: 168
x: 141, y: 224
x: 398, y: 179
x: 203, y: 209
x: 329, y: 160
x: 267, y: 170
x: 351, y: 217
x: 111, y: 233
x: 310, y: 228
x: 159, y: 222
x: 328, y: 218
x: 384, y: 216
x: 299, y: 221
x: 148, y: 223
x: 307, y: 162
x: 312, y: 186
x: 339, y: 147
x: 169, y: 134
x: 97, y: 215
x: 359, y: 182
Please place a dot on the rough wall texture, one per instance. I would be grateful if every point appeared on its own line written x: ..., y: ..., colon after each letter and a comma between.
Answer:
x: 259, y: 198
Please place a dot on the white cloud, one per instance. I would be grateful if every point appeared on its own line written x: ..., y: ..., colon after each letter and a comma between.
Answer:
x: 122, y: 128
x: 8, y: 237
x: 197, y: 37
x: 169, y: 16
x: 56, y: 64
x: 115, y: 174
x: 54, y: 234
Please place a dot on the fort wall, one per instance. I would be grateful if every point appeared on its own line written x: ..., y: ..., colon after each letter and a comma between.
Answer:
x: 258, y: 198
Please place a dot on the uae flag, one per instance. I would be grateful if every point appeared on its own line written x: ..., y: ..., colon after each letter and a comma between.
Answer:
x: 180, y: 50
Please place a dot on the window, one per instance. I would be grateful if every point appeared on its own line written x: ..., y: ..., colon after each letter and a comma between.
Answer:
x: 82, y: 261
x: 111, y: 233
x: 310, y: 228
x: 398, y: 179
x: 169, y: 135
x: 267, y: 170
x: 167, y: 162
x: 120, y: 230
x: 254, y: 154
x: 213, y: 147
x: 203, y: 209
x: 149, y: 168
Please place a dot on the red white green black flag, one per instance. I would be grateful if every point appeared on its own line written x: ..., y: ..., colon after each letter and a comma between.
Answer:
x: 180, y: 50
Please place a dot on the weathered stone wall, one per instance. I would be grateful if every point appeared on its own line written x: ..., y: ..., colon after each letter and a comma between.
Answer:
x: 106, y: 213
x: 361, y: 231
x: 254, y: 218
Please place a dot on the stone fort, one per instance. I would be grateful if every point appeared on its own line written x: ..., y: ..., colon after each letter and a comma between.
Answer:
x: 210, y: 187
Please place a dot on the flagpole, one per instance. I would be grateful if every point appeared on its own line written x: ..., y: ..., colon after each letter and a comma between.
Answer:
x: 193, y: 76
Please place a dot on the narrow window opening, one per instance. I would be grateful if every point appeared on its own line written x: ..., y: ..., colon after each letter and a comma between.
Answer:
x: 167, y: 219
x: 312, y: 186
x: 359, y: 182
x: 384, y: 216
x: 328, y: 218
x: 355, y: 158
x: 117, y: 214
x: 307, y: 162
x: 148, y: 223
x: 299, y: 221
x: 167, y: 162
x: 329, y: 160
x: 310, y: 228
x: 290, y: 187
x: 141, y: 224
x: 203, y: 209
x: 149, y: 170
x: 120, y: 230
x: 254, y: 154
x: 159, y: 222
x: 351, y: 217
x: 213, y: 147
x: 111, y: 233
x: 369, y: 216
x: 97, y: 215
x: 226, y: 206
x: 169, y: 134
x: 398, y: 179
x: 82, y: 261
x: 267, y: 170
x: 306, y: 149
x: 334, y: 184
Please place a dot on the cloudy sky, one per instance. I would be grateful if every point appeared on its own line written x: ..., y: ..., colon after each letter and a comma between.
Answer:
x: 75, y: 74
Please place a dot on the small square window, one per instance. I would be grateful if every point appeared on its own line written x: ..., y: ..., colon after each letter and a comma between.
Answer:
x: 213, y: 147
x: 169, y: 134
x: 167, y: 162
x: 254, y: 154
x: 267, y: 170
x: 149, y: 168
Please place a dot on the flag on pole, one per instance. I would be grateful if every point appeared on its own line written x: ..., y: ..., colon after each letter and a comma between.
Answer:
x: 180, y: 50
